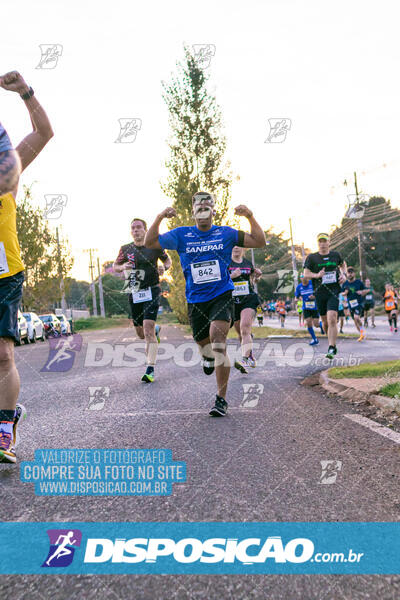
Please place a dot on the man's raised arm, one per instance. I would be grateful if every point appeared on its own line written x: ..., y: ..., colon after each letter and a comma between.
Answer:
x: 42, y: 132
x: 256, y: 237
x: 151, y: 238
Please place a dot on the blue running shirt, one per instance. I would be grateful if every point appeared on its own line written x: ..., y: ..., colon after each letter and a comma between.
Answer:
x: 205, y: 257
x: 305, y: 291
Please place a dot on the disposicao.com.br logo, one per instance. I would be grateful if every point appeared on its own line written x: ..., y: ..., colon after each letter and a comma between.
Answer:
x: 201, y: 547
x: 248, y: 551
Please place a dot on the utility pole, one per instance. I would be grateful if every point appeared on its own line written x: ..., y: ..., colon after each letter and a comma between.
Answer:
x: 294, y: 266
x: 101, y: 295
x: 62, y: 287
x: 360, y: 235
x: 92, y: 285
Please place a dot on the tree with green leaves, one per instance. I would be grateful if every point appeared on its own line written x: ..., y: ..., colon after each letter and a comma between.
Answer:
x: 45, y: 262
x: 116, y: 295
x: 380, y: 234
x: 196, y: 162
x: 76, y: 292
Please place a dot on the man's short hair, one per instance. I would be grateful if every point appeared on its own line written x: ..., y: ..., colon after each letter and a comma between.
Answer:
x: 212, y: 197
x: 141, y: 220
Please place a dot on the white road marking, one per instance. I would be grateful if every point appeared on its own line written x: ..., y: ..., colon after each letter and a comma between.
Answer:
x: 376, y: 427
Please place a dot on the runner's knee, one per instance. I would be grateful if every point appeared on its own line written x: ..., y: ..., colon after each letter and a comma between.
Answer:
x: 6, y: 353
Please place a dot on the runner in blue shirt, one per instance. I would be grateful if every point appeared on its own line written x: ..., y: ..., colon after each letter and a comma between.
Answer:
x: 205, y: 253
x: 305, y: 291
x: 354, y: 290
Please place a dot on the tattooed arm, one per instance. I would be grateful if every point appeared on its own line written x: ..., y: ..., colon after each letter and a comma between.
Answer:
x: 10, y: 169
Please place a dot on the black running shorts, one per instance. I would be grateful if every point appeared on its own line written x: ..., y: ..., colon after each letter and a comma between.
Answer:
x: 327, y: 300
x: 10, y: 298
x: 310, y: 313
x: 201, y: 314
x: 357, y: 310
x: 145, y: 310
x: 249, y: 301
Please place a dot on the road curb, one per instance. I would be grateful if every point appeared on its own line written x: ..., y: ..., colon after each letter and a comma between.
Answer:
x: 356, y: 396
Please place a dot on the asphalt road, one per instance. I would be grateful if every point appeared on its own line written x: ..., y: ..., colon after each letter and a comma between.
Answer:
x: 260, y: 463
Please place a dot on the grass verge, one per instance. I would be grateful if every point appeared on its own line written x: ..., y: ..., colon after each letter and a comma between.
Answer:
x: 391, y: 389
x: 100, y: 323
x: 388, y: 368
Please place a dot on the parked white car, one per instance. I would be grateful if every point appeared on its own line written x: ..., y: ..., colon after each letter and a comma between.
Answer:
x: 22, y: 333
x: 35, y: 327
x: 65, y: 325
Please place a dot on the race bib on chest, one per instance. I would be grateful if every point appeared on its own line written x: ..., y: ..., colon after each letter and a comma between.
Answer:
x: 309, y: 304
x: 241, y: 288
x: 353, y: 303
x: 329, y: 277
x: 390, y: 304
x: 368, y: 297
x: 205, y: 272
x: 142, y: 296
x: 4, y: 268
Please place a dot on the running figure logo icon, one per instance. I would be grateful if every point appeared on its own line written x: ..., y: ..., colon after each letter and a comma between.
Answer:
x: 251, y: 394
x: 330, y: 470
x: 62, y: 354
x: 54, y: 205
x: 50, y: 55
x: 278, y: 129
x: 203, y: 54
x: 98, y: 397
x: 357, y: 205
x: 133, y: 277
x: 285, y: 283
x: 128, y: 129
x: 63, y: 543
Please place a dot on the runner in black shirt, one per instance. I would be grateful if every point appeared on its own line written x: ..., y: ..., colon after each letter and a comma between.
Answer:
x: 327, y: 271
x: 143, y: 285
x: 245, y: 301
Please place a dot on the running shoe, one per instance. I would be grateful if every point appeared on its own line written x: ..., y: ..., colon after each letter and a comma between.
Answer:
x: 362, y: 337
x: 341, y: 331
x: 241, y: 366
x: 391, y: 329
x: 331, y: 352
x: 7, y: 449
x: 148, y: 377
x: 251, y: 361
x: 314, y: 342
x: 208, y: 365
x: 158, y: 329
x: 220, y: 408
x: 395, y: 329
x: 20, y: 415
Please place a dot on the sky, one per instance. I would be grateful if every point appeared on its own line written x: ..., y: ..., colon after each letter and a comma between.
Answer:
x: 330, y: 69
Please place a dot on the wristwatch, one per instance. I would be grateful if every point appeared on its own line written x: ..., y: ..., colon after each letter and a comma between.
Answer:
x: 28, y: 94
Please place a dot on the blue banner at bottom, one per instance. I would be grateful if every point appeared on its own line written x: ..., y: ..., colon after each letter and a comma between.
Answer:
x: 208, y: 548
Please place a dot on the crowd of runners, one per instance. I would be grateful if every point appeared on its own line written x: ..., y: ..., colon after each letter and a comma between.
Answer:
x: 220, y: 280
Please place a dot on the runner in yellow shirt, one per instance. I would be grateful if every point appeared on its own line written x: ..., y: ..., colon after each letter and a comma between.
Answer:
x: 12, y: 164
